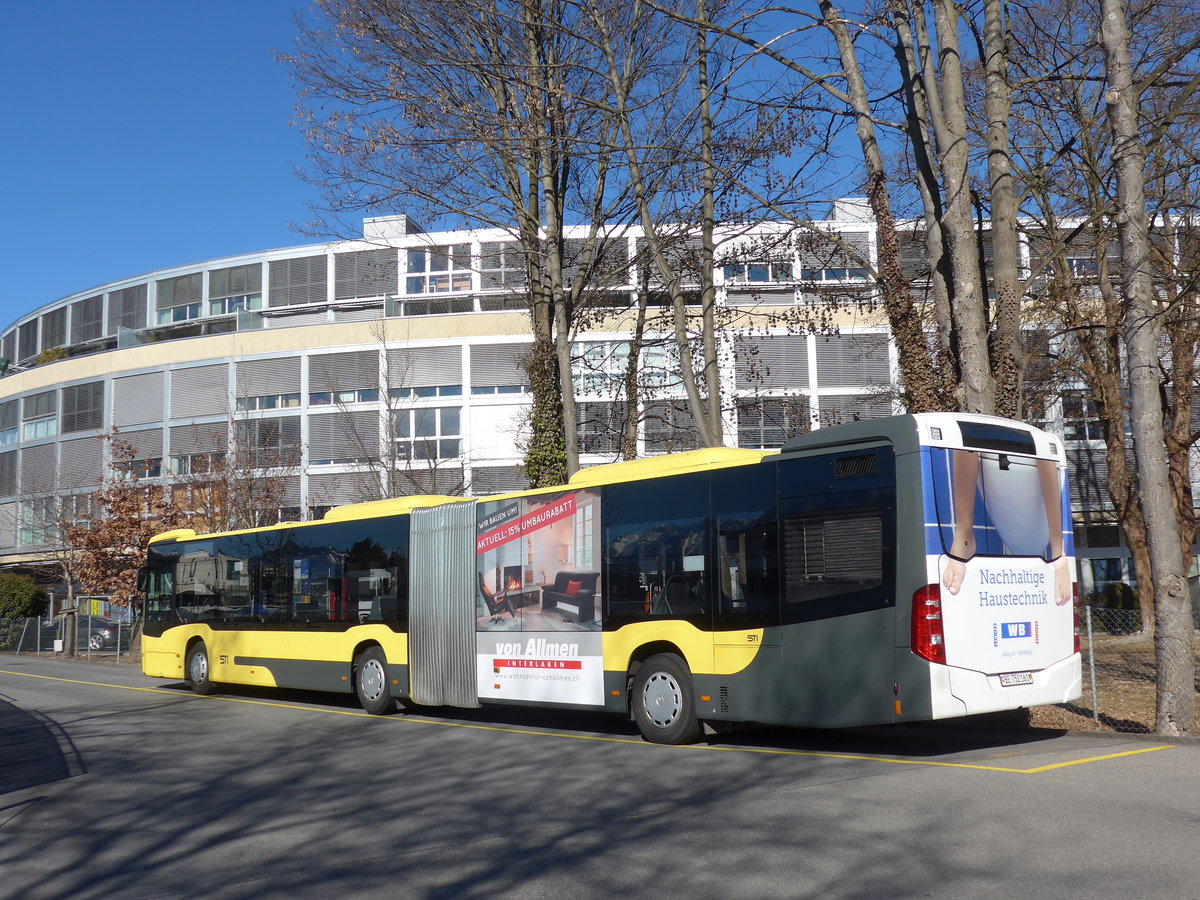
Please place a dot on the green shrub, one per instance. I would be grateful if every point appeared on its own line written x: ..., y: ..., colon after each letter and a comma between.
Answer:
x: 20, y: 597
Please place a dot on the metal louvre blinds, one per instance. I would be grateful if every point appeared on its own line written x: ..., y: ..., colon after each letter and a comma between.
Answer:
x: 297, y: 281
x: 259, y: 377
x: 201, y: 391
x: 838, y: 408
x: 235, y: 281
x: 54, y: 328
x: 146, y: 444
x: 37, y: 469
x: 127, y: 308
x: 344, y: 371
x: 819, y: 252
x: 37, y: 405
x: 424, y: 367
x: 771, y: 362
x: 87, y: 319
x: 850, y: 360
x: 82, y: 407
x: 81, y: 463
x: 498, y: 479
x: 337, y: 490
x: 178, y: 291
x: 138, y: 399
x: 343, y: 435
x: 8, y: 473
x: 499, y: 365
x: 8, y: 525
x: 367, y: 273
x: 189, y: 439
x: 501, y: 265
x: 27, y: 343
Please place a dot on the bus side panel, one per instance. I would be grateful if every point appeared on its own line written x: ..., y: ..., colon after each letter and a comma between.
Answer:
x: 318, y: 661
x: 829, y: 673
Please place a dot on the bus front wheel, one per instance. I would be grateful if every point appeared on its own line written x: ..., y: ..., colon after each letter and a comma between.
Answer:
x: 195, y: 669
x: 371, y: 682
x: 663, y: 703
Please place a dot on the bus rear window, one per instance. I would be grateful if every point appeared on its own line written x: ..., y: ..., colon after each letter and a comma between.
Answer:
x: 988, y: 436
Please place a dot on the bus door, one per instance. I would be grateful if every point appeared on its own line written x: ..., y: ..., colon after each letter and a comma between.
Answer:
x: 441, y: 636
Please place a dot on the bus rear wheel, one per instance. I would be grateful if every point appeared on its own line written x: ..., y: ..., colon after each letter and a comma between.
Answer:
x: 664, y: 705
x: 371, y: 682
x: 195, y: 669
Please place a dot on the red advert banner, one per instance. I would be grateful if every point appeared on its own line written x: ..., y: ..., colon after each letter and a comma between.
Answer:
x: 532, y: 521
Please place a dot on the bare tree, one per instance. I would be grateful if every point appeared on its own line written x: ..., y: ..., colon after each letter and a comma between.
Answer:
x: 1175, y: 707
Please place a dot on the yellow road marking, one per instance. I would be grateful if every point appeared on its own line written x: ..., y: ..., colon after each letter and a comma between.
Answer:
x: 409, y: 719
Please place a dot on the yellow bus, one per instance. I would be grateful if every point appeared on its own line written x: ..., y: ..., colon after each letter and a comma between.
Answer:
x: 892, y: 570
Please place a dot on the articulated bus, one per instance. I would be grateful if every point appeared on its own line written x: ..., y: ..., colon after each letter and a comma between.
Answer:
x: 893, y: 570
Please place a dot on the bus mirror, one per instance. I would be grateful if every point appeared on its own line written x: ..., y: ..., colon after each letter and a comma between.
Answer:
x: 143, y: 579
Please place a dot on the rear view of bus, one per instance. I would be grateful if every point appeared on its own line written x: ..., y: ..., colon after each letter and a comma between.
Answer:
x: 993, y: 614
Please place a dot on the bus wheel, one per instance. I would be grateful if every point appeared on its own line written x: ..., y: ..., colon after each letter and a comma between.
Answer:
x: 371, y: 682
x: 195, y: 669
x: 663, y: 705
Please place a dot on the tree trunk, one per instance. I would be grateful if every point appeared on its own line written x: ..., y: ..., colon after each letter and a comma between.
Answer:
x: 1175, y: 708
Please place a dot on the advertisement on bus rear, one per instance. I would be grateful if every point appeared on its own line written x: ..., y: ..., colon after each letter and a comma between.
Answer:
x: 538, y: 598
x: 999, y: 546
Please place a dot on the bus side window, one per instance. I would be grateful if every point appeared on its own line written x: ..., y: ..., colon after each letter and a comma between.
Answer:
x: 829, y: 556
x: 657, y: 561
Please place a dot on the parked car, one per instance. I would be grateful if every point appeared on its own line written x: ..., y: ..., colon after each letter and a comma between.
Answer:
x: 95, y: 632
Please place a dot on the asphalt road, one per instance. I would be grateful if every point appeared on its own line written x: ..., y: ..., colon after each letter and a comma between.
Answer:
x: 116, y: 785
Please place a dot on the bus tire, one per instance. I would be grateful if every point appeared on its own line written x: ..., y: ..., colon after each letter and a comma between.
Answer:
x: 196, y: 671
x: 371, y: 682
x: 664, y: 705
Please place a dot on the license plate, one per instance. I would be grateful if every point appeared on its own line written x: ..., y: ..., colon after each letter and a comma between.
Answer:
x: 1010, y: 679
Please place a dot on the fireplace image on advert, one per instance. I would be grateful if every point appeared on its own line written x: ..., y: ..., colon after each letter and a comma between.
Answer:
x: 538, y: 563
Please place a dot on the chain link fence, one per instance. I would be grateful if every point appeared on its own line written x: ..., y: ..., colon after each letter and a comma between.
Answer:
x: 1120, y: 671
x: 95, y: 636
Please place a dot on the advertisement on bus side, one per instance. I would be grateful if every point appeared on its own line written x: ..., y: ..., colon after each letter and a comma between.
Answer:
x: 538, y: 598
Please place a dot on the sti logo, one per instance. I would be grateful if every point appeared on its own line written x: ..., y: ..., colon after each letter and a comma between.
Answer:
x: 1016, y: 629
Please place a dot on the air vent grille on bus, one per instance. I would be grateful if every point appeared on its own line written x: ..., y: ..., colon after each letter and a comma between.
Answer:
x: 853, y: 466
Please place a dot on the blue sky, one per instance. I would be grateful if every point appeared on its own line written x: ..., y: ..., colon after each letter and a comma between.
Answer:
x: 140, y: 135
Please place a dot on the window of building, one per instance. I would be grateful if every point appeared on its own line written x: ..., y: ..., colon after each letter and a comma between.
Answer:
x: 833, y: 273
x: 233, y: 289
x: 436, y: 270
x: 601, y: 426
x: 367, y: 273
x: 87, y: 319
x: 270, y: 443
x: 501, y: 266
x: 9, y: 424
x: 1081, y: 418
x: 127, y: 308
x: 27, y: 340
x: 179, y: 299
x: 343, y: 398
x: 54, y: 328
x: 299, y: 281
x: 8, y: 473
x: 428, y: 432
x: 39, y: 522
x: 82, y: 407
x: 201, y: 463
x: 670, y: 427
x: 419, y: 393
x: 765, y: 423
x: 39, y: 416
x: 268, y: 401
x: 758, y: 273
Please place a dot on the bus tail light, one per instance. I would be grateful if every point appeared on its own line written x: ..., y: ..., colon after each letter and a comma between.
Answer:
x: 928, y: 639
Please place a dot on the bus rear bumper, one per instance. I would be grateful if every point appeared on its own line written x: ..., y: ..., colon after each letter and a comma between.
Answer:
x: 978, y: 692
